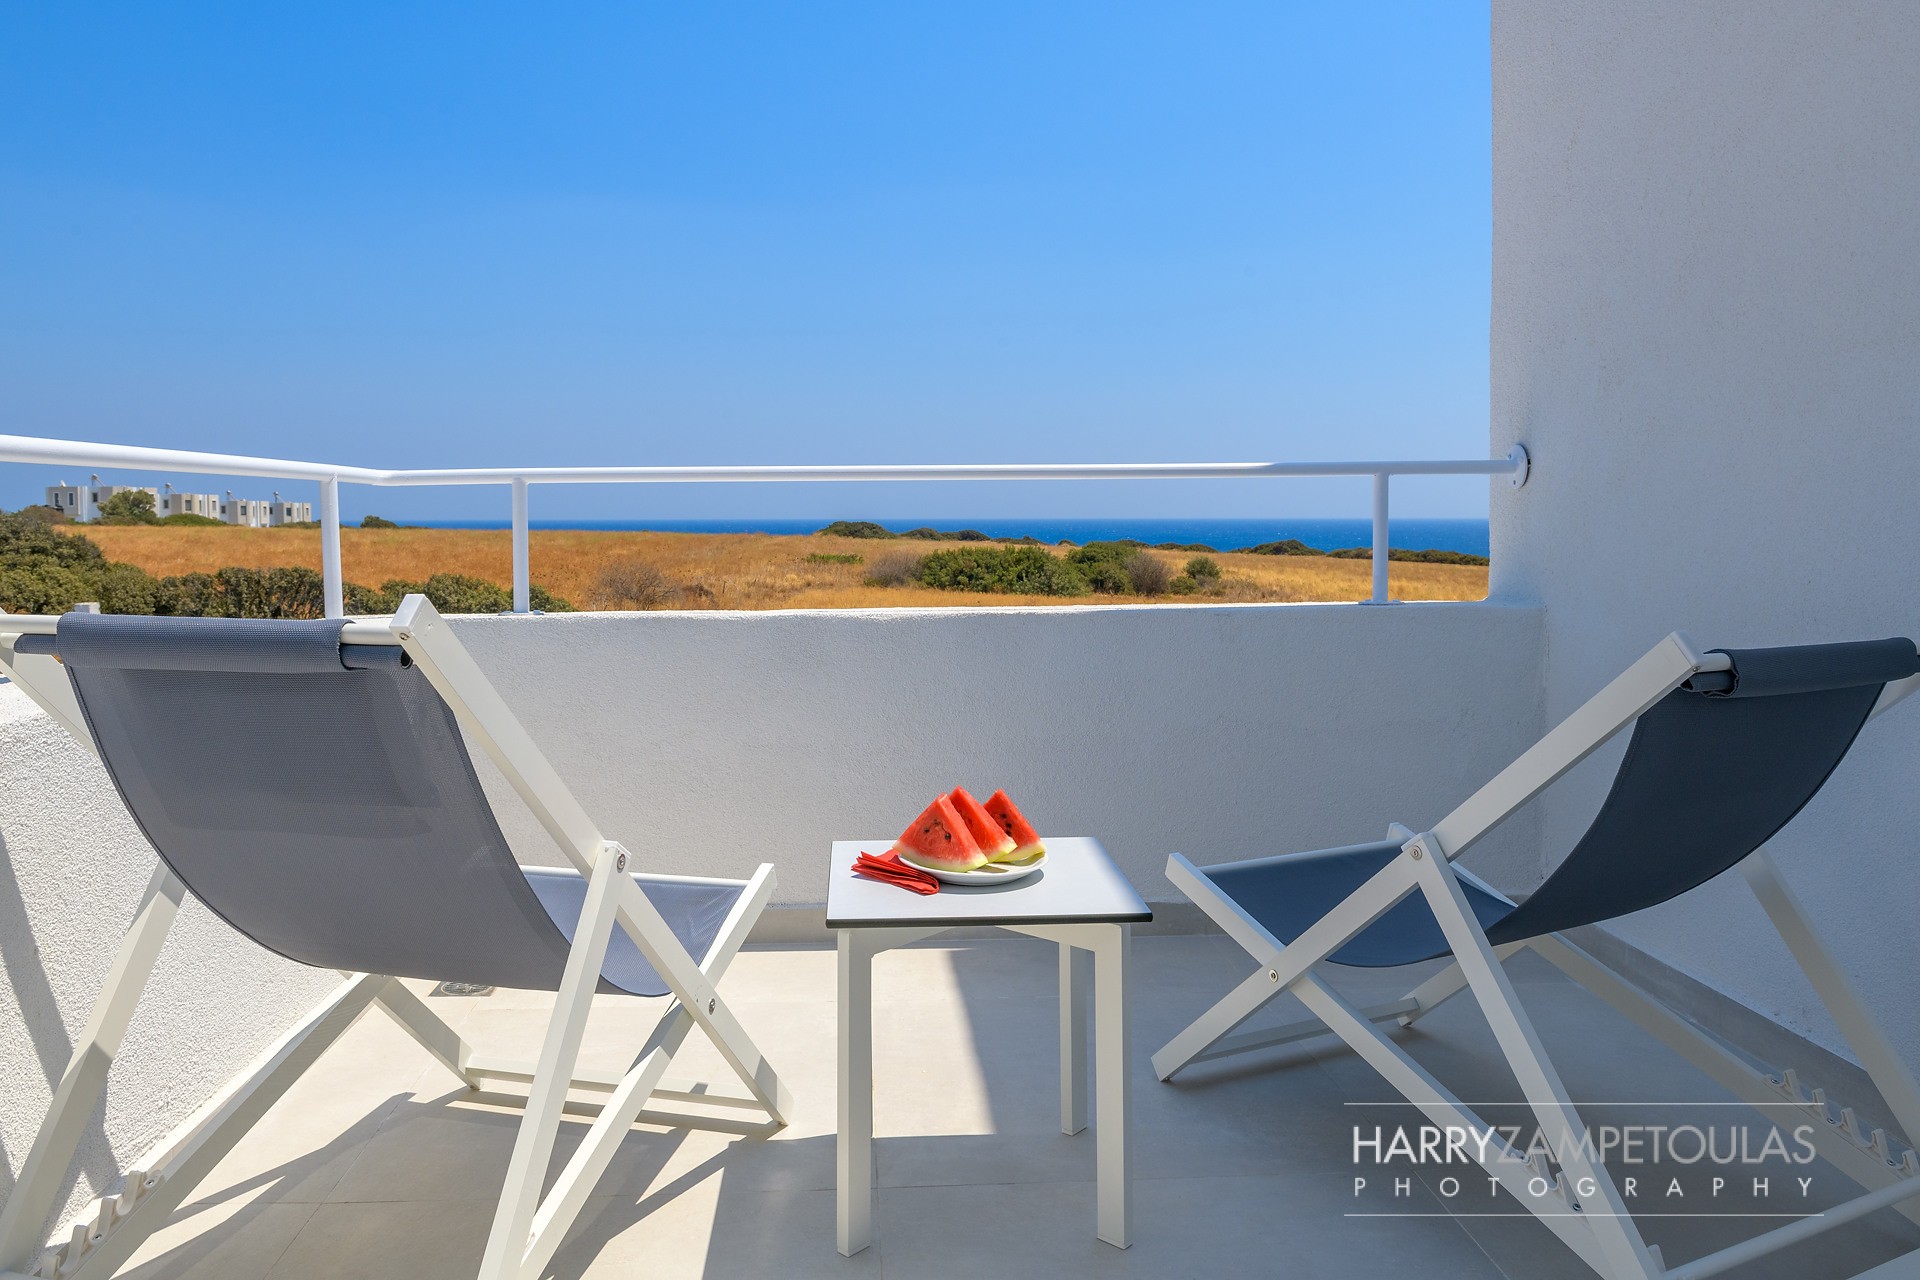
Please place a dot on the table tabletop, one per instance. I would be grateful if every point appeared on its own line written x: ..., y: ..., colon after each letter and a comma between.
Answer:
x: 1078, y: 885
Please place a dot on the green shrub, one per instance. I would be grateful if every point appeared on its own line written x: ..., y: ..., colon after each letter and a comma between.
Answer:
x: 367, y: 601
x: 1203, y: 568
x: 1181, y: 546
x: 233, y: 592
x: 126, y: 588
x: 822, y: 557
x: 857, y: 529
x: 44, y: 514
x: 25, y: 538
x: 1008, y: 570
x: 926, y: 534
x: 185, y: 596
x: 188, y: 518
x: 376, y: 522
x: 43, y: 587
x: 538, y: 597
x: 1435, y: 556
x: 453, y: 593
x: 1184, y: 585
x: 1105, y: 565
x: 1285, y: 547
x: 1404, y: 555
x: 129, y: 506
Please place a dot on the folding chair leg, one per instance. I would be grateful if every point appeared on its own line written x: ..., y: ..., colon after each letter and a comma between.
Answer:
x: 527, y: 1171
x: 1446, y: 984
x: 576, y: 1181
x: 637, y: 915
x: 1862, y: 1030
x: 1252, y: 995
x: 1281, y: 965
x: 1616, y: 1237
x: 43, y: 1173
x: 428, y: 1029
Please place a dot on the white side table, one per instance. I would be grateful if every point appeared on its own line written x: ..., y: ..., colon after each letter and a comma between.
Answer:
x: 1078, y: 900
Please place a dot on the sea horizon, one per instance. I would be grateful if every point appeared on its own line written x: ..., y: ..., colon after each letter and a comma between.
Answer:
x: 1412, y: 533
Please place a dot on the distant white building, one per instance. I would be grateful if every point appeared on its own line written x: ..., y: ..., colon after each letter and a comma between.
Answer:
x: 82, y: 502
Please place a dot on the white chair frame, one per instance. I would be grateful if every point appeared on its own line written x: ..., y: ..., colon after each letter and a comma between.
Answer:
x: 527, y: 1226
x: 1584, y: 1209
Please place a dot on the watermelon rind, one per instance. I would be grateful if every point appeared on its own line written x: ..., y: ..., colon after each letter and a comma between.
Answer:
x: 994, y: 842
x: 939, y: 838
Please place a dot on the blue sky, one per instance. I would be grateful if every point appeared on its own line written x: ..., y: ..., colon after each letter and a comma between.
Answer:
x: 474, y: 234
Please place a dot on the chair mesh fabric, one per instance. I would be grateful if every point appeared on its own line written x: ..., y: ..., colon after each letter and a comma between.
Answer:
x: 1711, y: 772
x: 319, y: 798
x: 1710, y: 776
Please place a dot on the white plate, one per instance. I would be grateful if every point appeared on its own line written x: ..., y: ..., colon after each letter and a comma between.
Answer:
x: 992, y: 873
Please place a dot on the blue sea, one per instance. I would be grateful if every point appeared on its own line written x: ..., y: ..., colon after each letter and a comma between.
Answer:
x: 1224, y: 535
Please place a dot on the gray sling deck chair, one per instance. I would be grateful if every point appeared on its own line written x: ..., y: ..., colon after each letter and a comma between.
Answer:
x: 1727, y: 747
x: 308, y: 782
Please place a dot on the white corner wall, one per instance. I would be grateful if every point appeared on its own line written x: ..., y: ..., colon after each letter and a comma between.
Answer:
x: 709, y: 742
x: 1706, y: 328
x: 72, y: 869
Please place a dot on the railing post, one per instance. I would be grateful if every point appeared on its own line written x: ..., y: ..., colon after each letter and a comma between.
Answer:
x: 522, y: 582
x: 330, y: 573
x: 1380, y: 556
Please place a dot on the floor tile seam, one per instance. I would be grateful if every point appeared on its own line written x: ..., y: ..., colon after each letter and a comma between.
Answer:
x: 267, y: 1272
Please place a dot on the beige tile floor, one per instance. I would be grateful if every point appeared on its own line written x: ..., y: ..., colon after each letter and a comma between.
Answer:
x: 378, y: 1165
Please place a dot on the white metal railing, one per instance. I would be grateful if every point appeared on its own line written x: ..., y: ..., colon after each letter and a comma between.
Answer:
x: 30, y: 449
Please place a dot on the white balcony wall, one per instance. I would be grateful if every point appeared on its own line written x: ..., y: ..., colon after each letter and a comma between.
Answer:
x: 1706, y: 328
x: 72, y: 869
x: 712, y: 741
x: 709, y: 742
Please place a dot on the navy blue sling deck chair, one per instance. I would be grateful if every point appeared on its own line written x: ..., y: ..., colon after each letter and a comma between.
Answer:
x: 310, y: 784
x: 1726, y: 749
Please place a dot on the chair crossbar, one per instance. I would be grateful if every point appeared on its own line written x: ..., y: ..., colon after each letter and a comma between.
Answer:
x: 1303, y: 1029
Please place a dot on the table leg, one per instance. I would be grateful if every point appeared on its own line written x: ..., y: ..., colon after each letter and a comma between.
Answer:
x: 1113, y: 1159
x: 1076, y: 976
x: 854, y: 1150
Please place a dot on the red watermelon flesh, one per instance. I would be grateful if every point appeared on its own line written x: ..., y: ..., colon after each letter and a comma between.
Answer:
x: 939, y: 838
x: 995, y: 843
x: 1025, y: 839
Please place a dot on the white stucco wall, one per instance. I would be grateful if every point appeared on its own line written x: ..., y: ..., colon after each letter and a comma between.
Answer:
x: 709, y: 742
x: 1706, y: 327
x: 72, y: 869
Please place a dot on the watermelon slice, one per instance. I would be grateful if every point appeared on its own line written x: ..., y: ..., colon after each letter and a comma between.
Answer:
x: 995, y: 843
x: 939, y: 838
x: 1026, y: 841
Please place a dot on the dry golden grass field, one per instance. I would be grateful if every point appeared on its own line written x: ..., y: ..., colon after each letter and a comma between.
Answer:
x: 632, y: 569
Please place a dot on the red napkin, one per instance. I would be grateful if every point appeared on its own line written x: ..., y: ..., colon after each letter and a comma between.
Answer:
x: 889, y: 868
